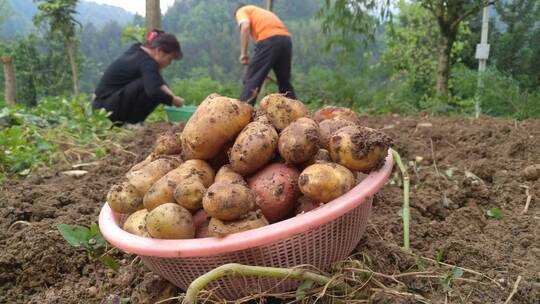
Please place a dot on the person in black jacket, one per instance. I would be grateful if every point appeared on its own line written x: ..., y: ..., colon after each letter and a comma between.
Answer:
x: 132, y: 86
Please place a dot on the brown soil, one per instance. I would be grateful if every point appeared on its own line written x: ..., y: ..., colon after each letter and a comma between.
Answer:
x: 463, y: 168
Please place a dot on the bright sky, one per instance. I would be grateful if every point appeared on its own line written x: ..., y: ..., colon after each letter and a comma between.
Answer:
x: 135, y: 6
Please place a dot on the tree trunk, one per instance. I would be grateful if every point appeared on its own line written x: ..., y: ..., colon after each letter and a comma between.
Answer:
x: 446, y: 42
x: 70, y: 45
x: 153, y: 15
x: 10, y: 93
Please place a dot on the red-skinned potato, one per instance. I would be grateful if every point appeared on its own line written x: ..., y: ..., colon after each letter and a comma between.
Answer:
x: 331, y: 112
x: 201, y: 220
x: 276, y: 190
x: 217, y: 120
x: 328, y: 127
x: 299, y: 141
x: 326, y: 181
x: 282, y: 110
x: 253, y: 148
x: 359, y: 148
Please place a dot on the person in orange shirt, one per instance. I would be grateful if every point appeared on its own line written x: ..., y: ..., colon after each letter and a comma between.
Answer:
x: 273, y: 50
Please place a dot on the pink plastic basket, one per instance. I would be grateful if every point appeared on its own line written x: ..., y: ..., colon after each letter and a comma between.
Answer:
x: 319, y: 238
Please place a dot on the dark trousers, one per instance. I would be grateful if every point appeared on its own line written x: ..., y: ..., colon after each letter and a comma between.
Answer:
x: 272, y: 53
x: 128, y: 105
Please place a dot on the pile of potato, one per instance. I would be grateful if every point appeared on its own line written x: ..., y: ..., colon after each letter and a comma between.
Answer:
x: 235, y: 168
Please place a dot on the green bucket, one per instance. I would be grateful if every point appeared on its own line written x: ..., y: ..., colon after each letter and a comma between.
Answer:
x: 181, y: 113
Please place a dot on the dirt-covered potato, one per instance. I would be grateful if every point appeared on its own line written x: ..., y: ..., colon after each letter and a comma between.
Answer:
x: 299, y: 141
x: 331, y: 112
x: 219, y: 228
x: 359, y: 148
x: 227, y: 201
x: 163, y: 190
x: 328, y: 127
x: 170, y: 221
x: 227, y: 175
x: 325, y: 182
x: 138, y: 166
x: 217, y: 120
x: 189, y: 193
x: 136, y: 223
x: 276, y: 190
x: 124, y: 198
x: 253, y: 148
x: 143, y: 178
x: 305, y: 204
x: 168, y: 143
x: 322, y: 156
x: 281, y: 110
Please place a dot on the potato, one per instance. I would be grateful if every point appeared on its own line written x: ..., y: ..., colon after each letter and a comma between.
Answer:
x: 305, y: 204
x: 227, y: 175
x: 331, y: 112
x: 325, y: 182
x: 124, y: 198
x: 217, y: 120
x: 170, y: 221
x: 189, y: 193
x: 138, y: 166
x: 329, y: 127
x: 322, y: 156
x: 222, y: 158
x: 276, y: 190
x: 136, y: 223
x: 299, y: 141
x: 227, y: 201
x: 145, y: 177
x: 201, y: 220
x: 219, y: 228
x: 253, y: 148
x: 168, y: 143
x: 281, y: 110
x: 359, y: 148
x: 163, y: 190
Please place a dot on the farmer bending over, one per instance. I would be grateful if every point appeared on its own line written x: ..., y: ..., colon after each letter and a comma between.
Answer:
x: 132, y: 86
x: 273, y: 50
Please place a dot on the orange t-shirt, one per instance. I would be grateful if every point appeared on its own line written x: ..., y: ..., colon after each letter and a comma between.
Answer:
x: 263, y: 23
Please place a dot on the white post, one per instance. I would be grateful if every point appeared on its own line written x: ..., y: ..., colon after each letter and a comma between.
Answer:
x: 482, y: 54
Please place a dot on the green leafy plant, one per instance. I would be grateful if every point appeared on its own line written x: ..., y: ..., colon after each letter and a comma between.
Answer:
x: 454, y: 274
x: 494, y: 213
x: 90, y: 239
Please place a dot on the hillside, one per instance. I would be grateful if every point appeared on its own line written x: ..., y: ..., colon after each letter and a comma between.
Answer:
x: 21, y: 13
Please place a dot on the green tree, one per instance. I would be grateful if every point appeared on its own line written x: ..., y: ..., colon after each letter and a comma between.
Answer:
x: 409, y: 51
x: 514, y: 49
x: 357, y: 16
x: 60, y: 17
